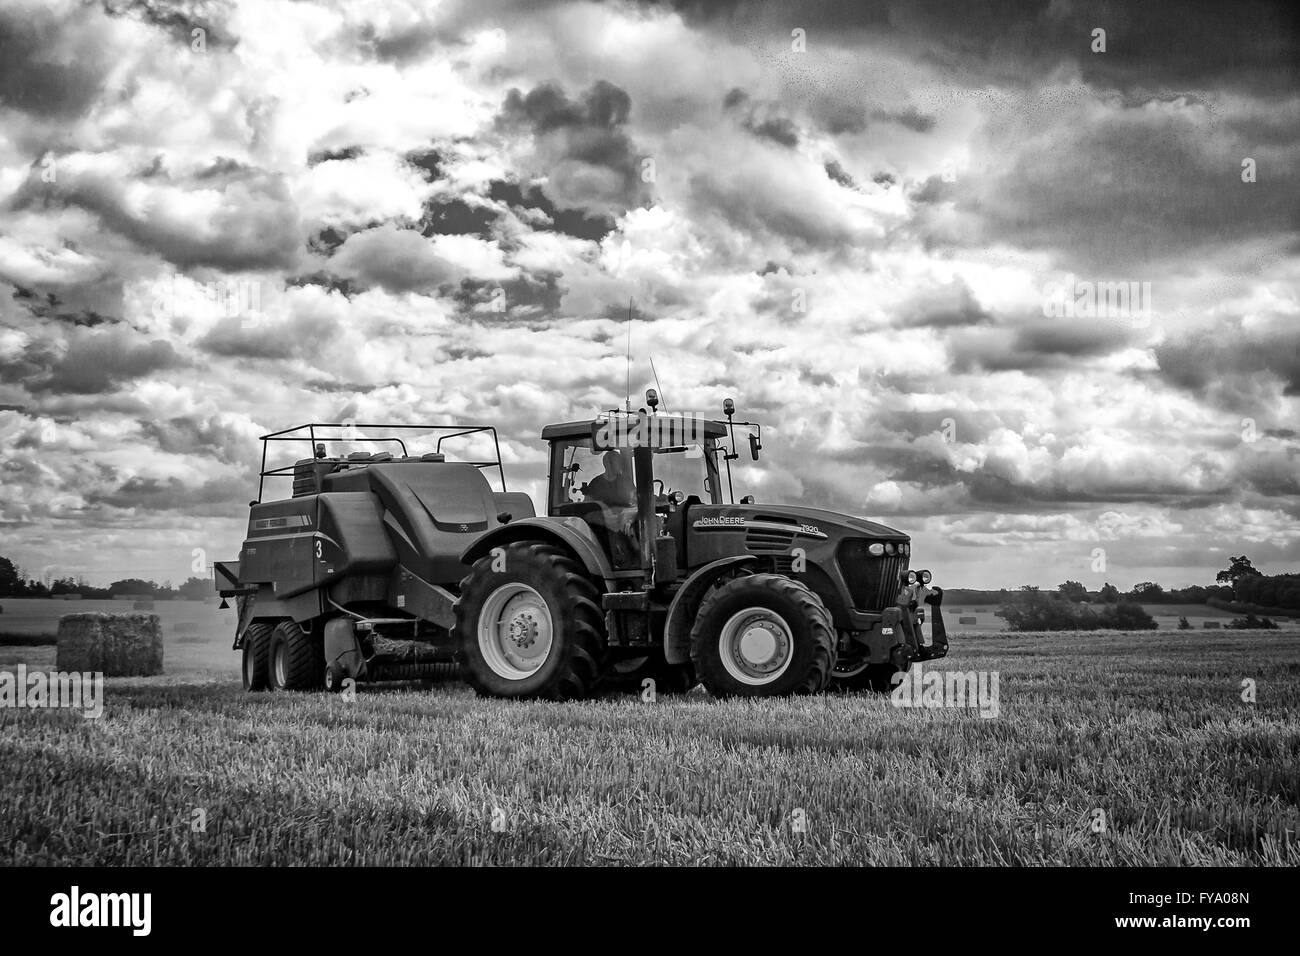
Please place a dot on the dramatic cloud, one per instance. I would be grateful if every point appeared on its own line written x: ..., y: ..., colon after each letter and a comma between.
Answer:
x: 862, y: 220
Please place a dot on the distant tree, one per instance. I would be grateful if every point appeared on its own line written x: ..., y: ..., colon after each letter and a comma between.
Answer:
x: 1238, y: 568
x: 11, y: 580
x: 195, y: 589
x: 1148, y: 592
x: 1127, y: 616
x: 1073, y: 591
x: 1184, y: 624
x: 1250, y: 622
x: 132, y: 586
x: 1109, y: 593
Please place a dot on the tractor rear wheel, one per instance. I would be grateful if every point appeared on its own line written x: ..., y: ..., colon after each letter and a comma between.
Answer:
x: 763, y: 635
x: 257, y: 647
x: 529, y: 624
x: 296, y: 660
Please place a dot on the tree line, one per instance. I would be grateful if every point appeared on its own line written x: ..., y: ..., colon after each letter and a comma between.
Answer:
x: 15, y: 583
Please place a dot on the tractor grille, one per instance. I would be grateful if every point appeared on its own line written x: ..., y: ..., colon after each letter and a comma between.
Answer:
x: 873, y: 582
x: 763, y: 541
x: 770, y: 540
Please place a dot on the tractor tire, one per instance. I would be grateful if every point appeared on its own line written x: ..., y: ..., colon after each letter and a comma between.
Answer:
x: 629, y: 676
x: 763, y: 635
x: 257, y: 652
x: 296, y: 660
x: 532, y: 630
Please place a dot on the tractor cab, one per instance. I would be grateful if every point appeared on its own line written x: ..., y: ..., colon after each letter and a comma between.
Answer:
x: 627, y: 475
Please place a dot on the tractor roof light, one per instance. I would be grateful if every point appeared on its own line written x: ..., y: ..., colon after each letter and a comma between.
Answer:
x: 652, y: 398
x: 728, y: 407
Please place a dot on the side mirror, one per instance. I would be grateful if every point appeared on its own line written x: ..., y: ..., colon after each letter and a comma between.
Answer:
x: 754, y: 446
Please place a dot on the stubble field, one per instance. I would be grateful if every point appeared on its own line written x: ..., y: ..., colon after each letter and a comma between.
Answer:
x: 1108, y: 749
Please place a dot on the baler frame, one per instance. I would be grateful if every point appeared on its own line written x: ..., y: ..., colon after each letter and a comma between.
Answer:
x: 296, y: 434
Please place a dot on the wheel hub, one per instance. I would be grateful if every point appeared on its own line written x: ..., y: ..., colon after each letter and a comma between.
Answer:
x: 756, y: 645
x: 515, y: 631
x: 523, y: 630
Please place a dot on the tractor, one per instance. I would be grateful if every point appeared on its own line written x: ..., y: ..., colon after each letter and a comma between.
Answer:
x: 392, y: 565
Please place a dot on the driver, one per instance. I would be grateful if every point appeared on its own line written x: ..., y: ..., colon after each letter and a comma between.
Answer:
x: 614, y: 487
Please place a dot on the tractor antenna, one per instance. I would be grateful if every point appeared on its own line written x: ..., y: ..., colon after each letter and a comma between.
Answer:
x: 657, y: 385
x: 627, y: 395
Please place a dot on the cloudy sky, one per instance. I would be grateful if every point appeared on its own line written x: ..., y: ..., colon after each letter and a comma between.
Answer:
x: 847, y: 216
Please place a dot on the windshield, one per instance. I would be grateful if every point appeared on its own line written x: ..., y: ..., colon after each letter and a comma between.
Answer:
x: 586, y: 475
x: 689, y: 469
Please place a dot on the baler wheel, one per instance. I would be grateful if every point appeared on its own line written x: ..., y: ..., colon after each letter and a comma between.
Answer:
x: 763, y: 635
x: 532, y: 629
x: 296, y: 661
x: 257, y: 648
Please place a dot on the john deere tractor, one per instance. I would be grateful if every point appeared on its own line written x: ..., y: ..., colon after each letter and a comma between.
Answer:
x: 389, y: 566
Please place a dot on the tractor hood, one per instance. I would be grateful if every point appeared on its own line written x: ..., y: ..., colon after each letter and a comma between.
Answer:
x: 830, y: 523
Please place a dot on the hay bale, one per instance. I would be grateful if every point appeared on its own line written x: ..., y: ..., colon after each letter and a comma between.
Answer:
x: 1210, y: 625
x: 118, y: 645
x: 142, y: 605
x: 967, y: 620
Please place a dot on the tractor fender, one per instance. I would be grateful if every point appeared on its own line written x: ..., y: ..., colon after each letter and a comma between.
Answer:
x: 571, y: 533
x: 681, y: 612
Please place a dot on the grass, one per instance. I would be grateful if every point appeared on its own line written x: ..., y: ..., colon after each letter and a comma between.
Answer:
x: 1150, y: 729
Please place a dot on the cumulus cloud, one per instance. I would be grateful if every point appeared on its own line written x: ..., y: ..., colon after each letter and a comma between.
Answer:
x: 445, y: 211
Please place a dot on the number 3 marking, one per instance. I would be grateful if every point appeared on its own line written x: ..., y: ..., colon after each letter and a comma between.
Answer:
x: 319, y: 554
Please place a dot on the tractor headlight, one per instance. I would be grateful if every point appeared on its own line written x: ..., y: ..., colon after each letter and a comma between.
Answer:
x: 909, y: 577
x: 904, y: 548
x: 875, y: 549
x: 924, y: 577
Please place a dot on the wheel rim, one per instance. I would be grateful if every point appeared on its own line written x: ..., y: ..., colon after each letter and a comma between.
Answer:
x: 515, y: 631
x: 281, y: 666
x: 756, y: 646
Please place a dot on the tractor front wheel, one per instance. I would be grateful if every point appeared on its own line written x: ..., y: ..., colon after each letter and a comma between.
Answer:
x: 529, y: 624
x: 297, y: 660
x: 763, y: 635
